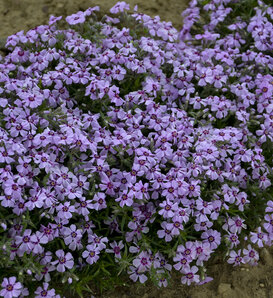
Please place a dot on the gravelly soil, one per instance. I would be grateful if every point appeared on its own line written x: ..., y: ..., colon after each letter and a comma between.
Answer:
x: 243, y: 282
x: 19, y: 15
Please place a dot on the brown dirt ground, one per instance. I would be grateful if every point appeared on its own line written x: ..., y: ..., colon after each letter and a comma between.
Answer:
x: 243, y: 282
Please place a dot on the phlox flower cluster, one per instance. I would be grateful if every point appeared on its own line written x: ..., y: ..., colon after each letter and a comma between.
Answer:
x: 128, y: 146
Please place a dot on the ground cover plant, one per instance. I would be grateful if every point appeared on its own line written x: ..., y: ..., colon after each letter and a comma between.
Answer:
x: 129, y: 147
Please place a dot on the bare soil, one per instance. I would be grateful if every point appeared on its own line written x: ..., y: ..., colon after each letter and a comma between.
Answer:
x: 229, y: 282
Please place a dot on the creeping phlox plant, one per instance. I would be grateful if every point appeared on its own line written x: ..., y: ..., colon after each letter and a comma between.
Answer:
x: 127, y: 147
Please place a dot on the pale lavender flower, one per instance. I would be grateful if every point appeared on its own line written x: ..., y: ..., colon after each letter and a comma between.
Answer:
x: 251, y: 256
x: 135, y: 274
x: 260, y: 237
x: 213, y: 237
x: 76, y: 18
x: 235, y: 258
x: 64, y: 261
x: 71, y: 236
x: 190, y: 275
x: 119, y: 7
x: 142, y: 262
x: 11, y: 288
x: 116, y: 247
x: 65, y: 210
x: 165, y: 233
x: 183, y: 261
x: 91, y: 254
x: 24, y: 242
x: 45, y: 292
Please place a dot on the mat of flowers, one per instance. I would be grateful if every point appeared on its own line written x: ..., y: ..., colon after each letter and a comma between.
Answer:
x: 130, y: 147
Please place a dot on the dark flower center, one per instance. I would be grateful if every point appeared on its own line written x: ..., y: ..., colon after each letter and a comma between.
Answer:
x: 167, y: 207
x: 211, y: 238
x: 9, y: 287
x: 92, y: 254
x: 44, y: 293
x: 62, y: 260
x: 189, y: 275
x: 116, y: 250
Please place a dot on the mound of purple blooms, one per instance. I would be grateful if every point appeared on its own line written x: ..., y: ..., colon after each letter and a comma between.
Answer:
x: 129, y: 147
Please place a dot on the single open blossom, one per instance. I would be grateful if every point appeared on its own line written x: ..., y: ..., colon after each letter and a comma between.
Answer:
x: 235, y: 224
x: 259, y: 237
x: 168, y: 208
x: 251, y: 256
x: 65, y: 210
x: 91, y: 254
x: 24, y: 242
x: 142, y: 262
x: 190, y: 275
x: 64, y: 261
x: 45, y: 292
x: 116, y: 248
x: 135, y: 275
x: 165, y: 233
x: 235, y: 258
x: 212, y: 237
x: 11, y: 288
x: 76, y: 18
x: 71, y: 236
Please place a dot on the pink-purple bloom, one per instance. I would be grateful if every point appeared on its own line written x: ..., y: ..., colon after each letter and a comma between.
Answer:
x: 161, y: 143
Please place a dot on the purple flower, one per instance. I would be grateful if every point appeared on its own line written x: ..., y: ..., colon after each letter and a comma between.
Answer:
x: 125, y: 199
x: 119, y: 7
x: 45, y: 273
x: 152, y: 86
x: 99, y: 242
x: 44, y: 292
x: 135, y: 274
x: 11, y: 188
x: 99, y: 201
x: 188, y: 250
x: 76, y: 18
x: 233, y: 239
x: 142, y: 262
x: 235, y: 258
x: 235, y: 225
x: 212, y: 237
x: 24, y: 242
x: 168, y: 208
x: 65, y: 210
x: 37, y: 239
x: 64, y: 261
x: 53, y: 19
x: 205, y: 76
x: 141, y: 191
x: 251, y: 256
x: 190, y: 275
x: 268, y: 225
x: 11, y: 288
x: 203, y: 251
x: 165, y: 233
x: 183, y: 261
x: 260, y: 237
x: 116, y: 248
x: 90, y: 10
x: 72, y: 236
x: 91, y: 254
x: 162, y: 280
x: 7, y: 201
